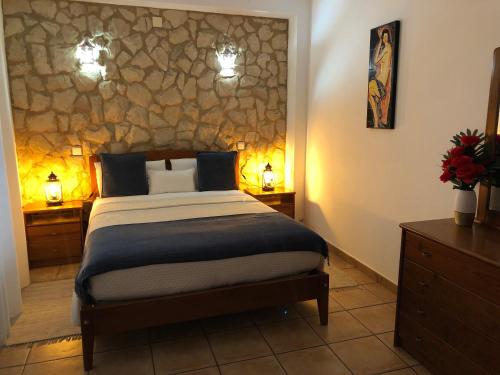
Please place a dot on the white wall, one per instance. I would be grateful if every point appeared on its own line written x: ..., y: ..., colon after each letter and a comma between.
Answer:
x: 361, y: 183
x: 298, y: 14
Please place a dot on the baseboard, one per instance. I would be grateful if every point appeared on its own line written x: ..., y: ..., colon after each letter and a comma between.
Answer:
x: 363, y: 267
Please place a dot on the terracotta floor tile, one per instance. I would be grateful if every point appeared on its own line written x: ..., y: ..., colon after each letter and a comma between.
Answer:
x: 66, y: 366
x: 359, y: 276
x: 421, y: 370
x: 381, y: 292
x: 338, y: 262
x: 136, y: 360
x: 18, y: 370
x: 227, y: 322
x: 310, y: 308
x: 317, y: 361
x: 388, y: 339
x: 205, y: 371
x: 120, y: 341
x: 176, y: 331
x: 367, y: 355
x: 13, y: 355
x: 340, y: 279
x: 405, y: 371
x: 352, y: 298
x: 238, y: 345
x: 48, y: 351
x: 378, y: 319
x: 275, y: 314
x: 182, y: 355
x: 292, y: 335
x: 68, y: 271
x: 260, y: 366
x: 341, y: 326
x: 42, y: 274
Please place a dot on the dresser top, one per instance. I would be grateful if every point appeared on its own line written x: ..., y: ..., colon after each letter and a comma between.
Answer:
x: 479, y: 241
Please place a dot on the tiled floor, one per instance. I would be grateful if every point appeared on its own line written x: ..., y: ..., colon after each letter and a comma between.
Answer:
x: 288, y: 340
x: 53, y: 273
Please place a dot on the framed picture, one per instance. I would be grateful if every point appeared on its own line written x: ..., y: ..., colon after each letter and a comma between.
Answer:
x: 382, y: 76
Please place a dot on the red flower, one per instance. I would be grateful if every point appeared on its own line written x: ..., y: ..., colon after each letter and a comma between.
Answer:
x: 470, y: 140
x: 446, y: 163
x: 461, y: 161
x: 446, y: 176
x: 456, y: 151
x: 469, y: 172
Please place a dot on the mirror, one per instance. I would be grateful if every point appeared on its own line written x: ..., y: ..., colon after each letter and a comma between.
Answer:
x: 495, y: 184
x: 489, y: 191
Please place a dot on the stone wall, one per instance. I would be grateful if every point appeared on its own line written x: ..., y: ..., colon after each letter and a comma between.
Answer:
x: 160, y: 89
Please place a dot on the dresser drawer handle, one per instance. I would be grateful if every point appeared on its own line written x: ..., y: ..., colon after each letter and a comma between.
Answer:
x: 419, y: 339
x: 426, y: 254
x: 423, y: 284
x: 420, y: 312
x: 53, y: 233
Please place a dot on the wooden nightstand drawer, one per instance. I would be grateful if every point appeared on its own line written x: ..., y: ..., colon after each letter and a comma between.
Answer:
x: 438, y: 355
x: 54, y: 234
x: 478, y: 277
x: 280, y: 199
x: 46, y: 250
x: 53, y: 230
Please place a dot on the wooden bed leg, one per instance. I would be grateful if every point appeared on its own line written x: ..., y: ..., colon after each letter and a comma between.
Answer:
x: 323, y: 300
x: 87, y: 343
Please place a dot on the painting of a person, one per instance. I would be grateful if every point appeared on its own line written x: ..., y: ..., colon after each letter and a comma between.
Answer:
x: 380, y: 88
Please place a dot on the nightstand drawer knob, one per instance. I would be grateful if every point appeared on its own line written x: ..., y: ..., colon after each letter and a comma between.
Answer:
x: 426, y: 254
x: 419, y: 339
x: 420, y: 312
x: 53, y: 234
x: 423, y: 284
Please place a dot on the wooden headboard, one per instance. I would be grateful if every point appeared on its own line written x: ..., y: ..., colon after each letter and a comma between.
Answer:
x: 157, y: 155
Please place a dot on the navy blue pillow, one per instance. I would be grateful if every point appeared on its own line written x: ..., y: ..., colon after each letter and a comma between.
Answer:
x: 123, y: 175
x: 216, y: 170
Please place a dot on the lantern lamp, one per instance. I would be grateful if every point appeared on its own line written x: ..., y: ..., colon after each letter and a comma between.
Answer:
x: 53, y: 191
x: 268, y: 178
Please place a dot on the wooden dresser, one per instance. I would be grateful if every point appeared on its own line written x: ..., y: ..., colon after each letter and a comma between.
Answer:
x: 448, y: 310
x: 54, y: 234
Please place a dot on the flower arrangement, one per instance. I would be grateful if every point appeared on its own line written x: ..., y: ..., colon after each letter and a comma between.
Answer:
x: 465, y: 164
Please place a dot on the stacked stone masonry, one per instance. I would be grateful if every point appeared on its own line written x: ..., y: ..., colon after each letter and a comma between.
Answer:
x: 161, y: 87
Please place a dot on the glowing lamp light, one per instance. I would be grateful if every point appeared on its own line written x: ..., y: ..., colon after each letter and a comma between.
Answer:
x: 87, y: 53
x: 268, y: 178
x: 226, y: 55
x: 53, y: 191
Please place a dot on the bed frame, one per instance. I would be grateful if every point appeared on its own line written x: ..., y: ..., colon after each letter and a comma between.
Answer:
x: 115, y: 317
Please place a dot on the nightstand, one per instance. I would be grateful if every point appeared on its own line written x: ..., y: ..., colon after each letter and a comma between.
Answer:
x: 54, y: 234
x: 280, y: 199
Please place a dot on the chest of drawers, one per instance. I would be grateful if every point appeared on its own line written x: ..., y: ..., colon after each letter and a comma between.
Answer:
x: 448, y: 310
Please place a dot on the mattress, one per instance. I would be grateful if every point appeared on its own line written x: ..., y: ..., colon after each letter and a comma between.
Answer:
x: 167, y: 279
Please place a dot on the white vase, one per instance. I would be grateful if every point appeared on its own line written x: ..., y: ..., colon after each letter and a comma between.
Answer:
x: 465, y: 207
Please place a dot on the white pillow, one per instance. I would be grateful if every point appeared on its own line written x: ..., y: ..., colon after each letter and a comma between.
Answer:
x: 171, y: 181
x: 157, y: 165
x: 186, y: 163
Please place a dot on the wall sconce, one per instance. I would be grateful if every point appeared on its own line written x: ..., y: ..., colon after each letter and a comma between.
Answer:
x: 227, y: 52
x: 53, y: 191
x: 87, y: 53
x: 268, y: 178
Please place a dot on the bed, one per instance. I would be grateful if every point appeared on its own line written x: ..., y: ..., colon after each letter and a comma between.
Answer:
x: 143, y: 284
